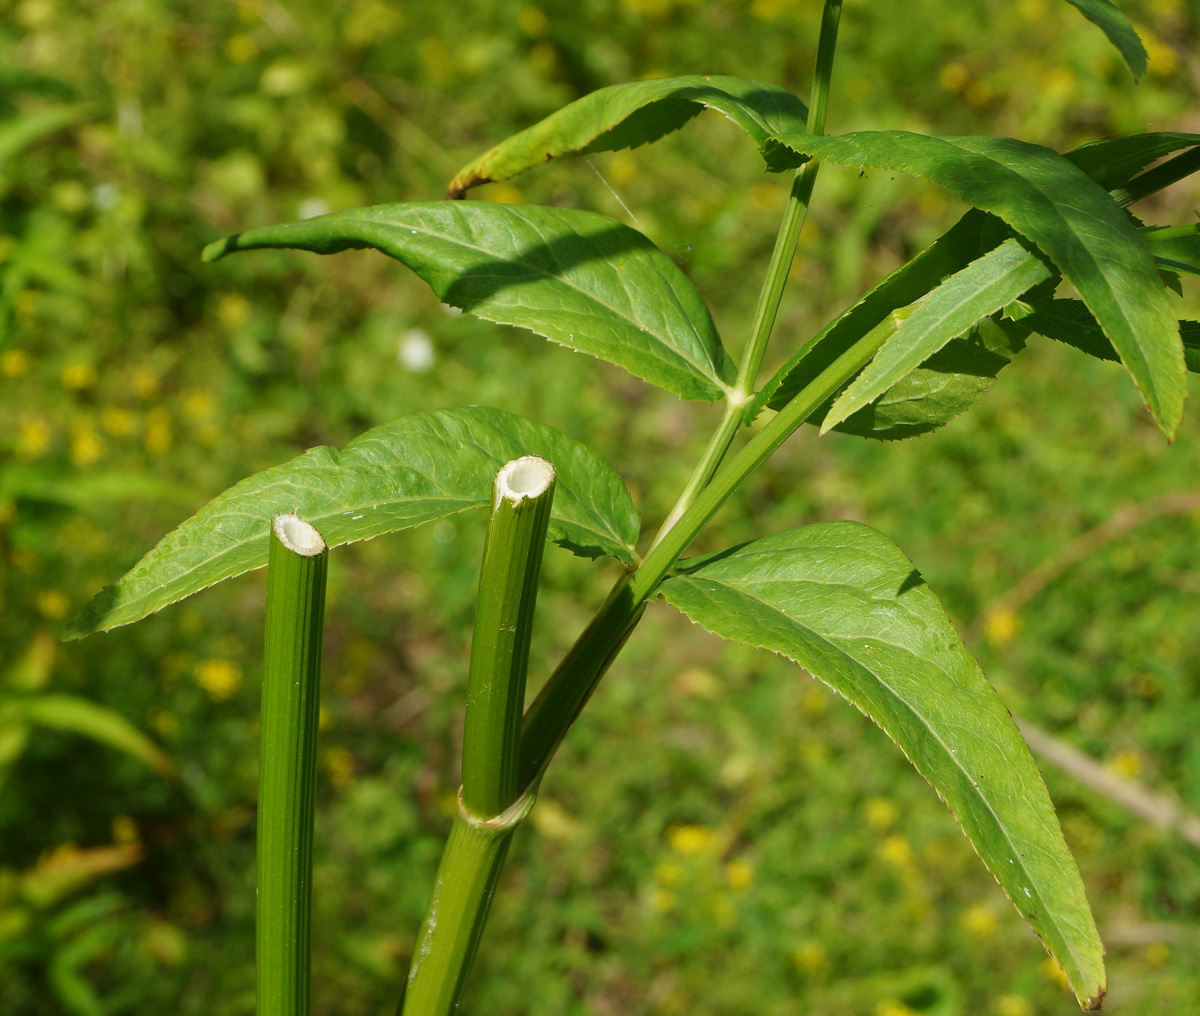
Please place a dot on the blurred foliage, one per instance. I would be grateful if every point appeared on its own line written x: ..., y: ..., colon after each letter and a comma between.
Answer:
x: 720, y: 834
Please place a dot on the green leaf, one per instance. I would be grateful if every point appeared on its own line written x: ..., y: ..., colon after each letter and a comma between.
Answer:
x: 985, y: 286
x: 79, y: 716
x: 843, y: 602
x: 1113, y: 162
x: 1112, y: 22
x: 628, y: 115
x: 1071, y: 323
x: 1070, y: 218
x: 958, y: 246
x: 1175, y: 249
x: 23, y: 130
x: 578, y: 278
x: 415, y: 470
x: 945, y: 386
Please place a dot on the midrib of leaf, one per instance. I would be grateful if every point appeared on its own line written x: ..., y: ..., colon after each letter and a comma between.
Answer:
x: 743, y: 591
x: 706, y: 368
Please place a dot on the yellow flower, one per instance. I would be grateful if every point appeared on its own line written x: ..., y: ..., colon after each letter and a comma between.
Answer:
x: 340, y: 765
x: 144, y: 382
x: 1125, y: 763
x: 954, y: 76
x: 219, y: 677
x: 890, y: 1007
x: 198, y: 403
x: 662, y: 900
x: 33, y: 438
x: 690, y: 840
x: 233, y: 310
x: 1001, y: 626
x: 533, y: 22
x: 739, y: 873
x: 125, y: 830
x: 14, y: 362
x: 1013, y: 1005
x: 895, y: 850
x: 810, y: 956
x: 158, y: 431
x: 880, y: 813
x: 1053, y: 972
x: 78, y: 376
x: 118, y: 422
x: 668, y: 873
x: 86, y: 447
x: 980, y: 921
x: 52, y: 604
x: 241, y: 48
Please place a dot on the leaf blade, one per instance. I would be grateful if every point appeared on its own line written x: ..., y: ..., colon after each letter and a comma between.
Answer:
x: 637, y: 113
x: 1111, y: 20
x: 580, y: 279
x: 1069, y: 217
x: 949, y: 310
x: 417, y: 469
x: 842, y: 601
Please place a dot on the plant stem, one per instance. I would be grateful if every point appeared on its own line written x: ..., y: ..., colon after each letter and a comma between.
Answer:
x: 769, y: 297
x: 797, y: 209
x: 490, y: 805
x: 458, y: 909
x: 512, y: 560
x: 550, y: 716
x: 291, y: 691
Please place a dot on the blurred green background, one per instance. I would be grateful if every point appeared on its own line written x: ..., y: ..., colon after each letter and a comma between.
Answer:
x: 720, y: 835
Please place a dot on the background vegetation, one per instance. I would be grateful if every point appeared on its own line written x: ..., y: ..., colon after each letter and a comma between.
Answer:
x: 720, y: 834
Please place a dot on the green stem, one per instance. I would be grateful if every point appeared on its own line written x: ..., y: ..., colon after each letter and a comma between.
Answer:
x: 490, y: 805
x: 797, y: 208
x: 512, y: 559
x: 550, y: 716
x: 458, y: 909
x: 287, y: 766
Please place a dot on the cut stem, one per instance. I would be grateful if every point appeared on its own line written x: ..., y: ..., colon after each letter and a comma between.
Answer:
x: 296, y: 572
x: 490, y: 805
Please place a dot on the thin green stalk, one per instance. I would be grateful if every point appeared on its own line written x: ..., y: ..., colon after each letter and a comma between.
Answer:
x: 769, y: 297
x: 490, y: 804
x: 550, y: 716
x: 291, y: 691
x: 797, y: 208
x: 512, y: 560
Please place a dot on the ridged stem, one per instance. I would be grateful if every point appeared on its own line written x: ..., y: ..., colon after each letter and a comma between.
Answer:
x: 296, y: 572
x: 490, y: 805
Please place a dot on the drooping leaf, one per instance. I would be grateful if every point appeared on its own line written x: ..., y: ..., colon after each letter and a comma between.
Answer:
x: 1113, y: 162
x: 1071, y: 219
x: 1070, y: 322
x: 843, y: 602
x: 79, y: 716
x: 1112, y: 21
x: 417, y: 469
x: 628, y: 115
x: 580, y: 279
x: 985, y: 286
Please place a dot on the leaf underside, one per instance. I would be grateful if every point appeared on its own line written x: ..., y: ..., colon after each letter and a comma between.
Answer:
x: 402, y: 474
x: 580, y: 279
x: 1071, y: 219
x: 843, y: 602
x: 639, y: 112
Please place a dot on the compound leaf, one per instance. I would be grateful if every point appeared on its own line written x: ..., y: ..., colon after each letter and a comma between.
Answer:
x: 417, y: 469
x: 628, y: 115
x: 580, y: 279
x: 842, y: 601
x: 1070, y: 218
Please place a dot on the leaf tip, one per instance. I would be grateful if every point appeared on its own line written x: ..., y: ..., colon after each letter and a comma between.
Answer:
x: 218, y: 249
